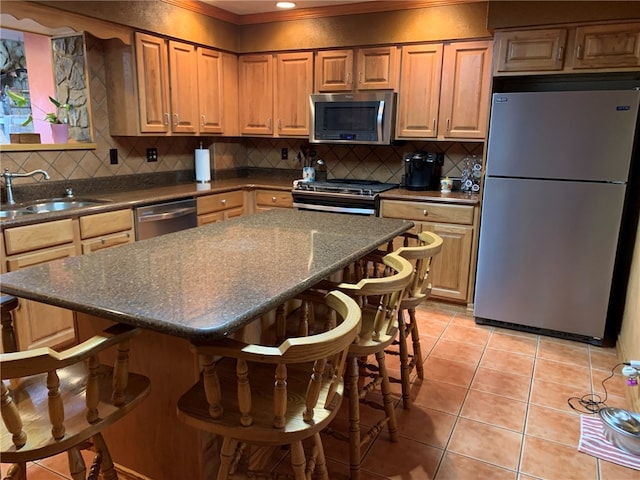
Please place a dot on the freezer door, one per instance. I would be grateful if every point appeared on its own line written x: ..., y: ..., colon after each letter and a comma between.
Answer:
x: 563, y: 135
x: 546, y: 253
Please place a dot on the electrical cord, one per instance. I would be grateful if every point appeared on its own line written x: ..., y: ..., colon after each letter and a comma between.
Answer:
x: 592, y: 402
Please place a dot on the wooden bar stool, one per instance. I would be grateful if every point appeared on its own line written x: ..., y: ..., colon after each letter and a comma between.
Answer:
x: 274, y: 395
x: 428, y: 245
x: 54, y: 402
x: 379, y: 299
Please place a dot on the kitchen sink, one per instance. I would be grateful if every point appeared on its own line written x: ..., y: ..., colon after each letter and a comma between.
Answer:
x: 48, y: 205
x: 13, y: 213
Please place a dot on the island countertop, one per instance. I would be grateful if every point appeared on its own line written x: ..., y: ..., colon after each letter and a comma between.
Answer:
x: 207, y: 282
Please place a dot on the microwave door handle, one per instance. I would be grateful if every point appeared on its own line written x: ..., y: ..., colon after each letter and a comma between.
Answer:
x: 379, y: 119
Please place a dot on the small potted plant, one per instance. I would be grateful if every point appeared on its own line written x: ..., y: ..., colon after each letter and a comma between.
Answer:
x: 59, y: 128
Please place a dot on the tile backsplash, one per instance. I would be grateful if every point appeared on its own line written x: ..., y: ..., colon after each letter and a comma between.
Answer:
x: 383, y: 163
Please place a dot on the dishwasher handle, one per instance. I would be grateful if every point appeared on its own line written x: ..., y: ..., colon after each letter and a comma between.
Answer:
x: 178, y: 212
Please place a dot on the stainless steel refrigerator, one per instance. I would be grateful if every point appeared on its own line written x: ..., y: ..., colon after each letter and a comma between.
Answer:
x: 555, y: 189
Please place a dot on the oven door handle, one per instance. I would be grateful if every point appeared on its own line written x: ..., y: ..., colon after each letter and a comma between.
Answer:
x: 335, y: 209
x: 179, y: 212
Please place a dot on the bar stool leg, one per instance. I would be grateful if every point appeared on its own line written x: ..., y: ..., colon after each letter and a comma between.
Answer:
x: 354, y: 418
x: 415, y: 339
x: 8, y: 303
x: 387, y: 398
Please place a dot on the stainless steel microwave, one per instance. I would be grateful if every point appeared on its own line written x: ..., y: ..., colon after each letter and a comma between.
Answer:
x: 360, y: 117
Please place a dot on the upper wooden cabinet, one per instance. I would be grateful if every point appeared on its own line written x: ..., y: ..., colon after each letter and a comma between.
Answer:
x: 530, y: 50
x: 183, y: 77
x: 602, y: 46
x: 444, y: 90
x: 610, y: 47
x: 152, y: 64
x: 170, y: 88
x: 376, y: 68
x: 274, y: 93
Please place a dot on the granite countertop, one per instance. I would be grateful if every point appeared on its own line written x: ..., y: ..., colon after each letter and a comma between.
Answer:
x: 145, y: 196
x: 457, y: 197
x: 207, y: 282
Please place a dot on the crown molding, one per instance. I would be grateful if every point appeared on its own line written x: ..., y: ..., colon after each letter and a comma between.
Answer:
x: 309, y: 13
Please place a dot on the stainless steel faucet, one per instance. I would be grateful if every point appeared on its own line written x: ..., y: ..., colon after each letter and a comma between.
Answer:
x: 9, y: 176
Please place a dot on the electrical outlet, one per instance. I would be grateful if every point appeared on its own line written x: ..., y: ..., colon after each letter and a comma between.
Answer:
x: 284, y: 153
x: 152, y: 154
x: 113, y: 156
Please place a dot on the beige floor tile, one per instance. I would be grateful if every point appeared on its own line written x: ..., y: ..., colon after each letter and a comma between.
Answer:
x: 603, y: 358
x: 507, y: 361
x: 458, y: 351
x: 563, y: 351
x: 440, y: 396
x: 611, y: 471
x: 402, y: 460
x: 502, y: 383
x: 616, y: 385
x: 425, y: 425
x: 487, y: 443
x: 552, y: 461
x: 448, y: 371
x: 466, y: 333
x: 510, y: 341
x: 552, y: 371
x: 553, y: 425
x: 556, y: 395
x: 495, y: 410
x: 458, y: 467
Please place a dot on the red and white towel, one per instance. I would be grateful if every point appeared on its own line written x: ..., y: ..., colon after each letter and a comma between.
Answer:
x: 593, y: 442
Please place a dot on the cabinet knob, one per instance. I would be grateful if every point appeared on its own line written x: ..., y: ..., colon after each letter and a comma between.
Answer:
x: 166, y: 118
x: 177, y: 119
x: 579, y: 52
x: 103, y: 241
x: 273, y: 199
x: 203, y: 119
x: 425, y: 212
x: 224, y: 201
x: 560, y: 53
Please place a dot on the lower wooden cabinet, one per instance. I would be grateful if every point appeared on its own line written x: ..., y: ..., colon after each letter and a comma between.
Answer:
x: 268, y: 199
x: 452, y: 268
x: 220, y: 206
x: 106, y: 230
x: 36, y: 324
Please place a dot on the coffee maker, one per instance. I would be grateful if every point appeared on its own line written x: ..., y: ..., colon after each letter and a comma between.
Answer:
x: 422, y: 170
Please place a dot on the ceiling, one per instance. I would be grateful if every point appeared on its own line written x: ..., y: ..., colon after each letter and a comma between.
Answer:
x: 248, y: 7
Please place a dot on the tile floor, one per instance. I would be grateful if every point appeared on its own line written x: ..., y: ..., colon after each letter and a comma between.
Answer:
x: 493, y: 405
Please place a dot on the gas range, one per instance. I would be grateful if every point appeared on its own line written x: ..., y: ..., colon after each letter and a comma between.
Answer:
x: 339, y: 195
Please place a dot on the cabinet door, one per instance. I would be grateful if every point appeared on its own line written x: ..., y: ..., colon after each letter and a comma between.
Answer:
x: 38, y: 324
x: 419, y: 91
x: 334, y: 71
x: 183, y: 75
x: 464, y: 100
x: 602, y: 46
x: 451, y: 267
x: 210, y: 90
x: 153, y: 83
x: 530, y: 50
x: 294, y: 84
x: 255, y: 74
x: 377, y: 68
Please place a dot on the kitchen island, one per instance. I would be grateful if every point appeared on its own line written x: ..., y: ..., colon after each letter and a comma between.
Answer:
x: 197, y: 284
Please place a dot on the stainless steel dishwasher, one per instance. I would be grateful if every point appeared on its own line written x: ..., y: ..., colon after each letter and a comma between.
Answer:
x: 162, y: 218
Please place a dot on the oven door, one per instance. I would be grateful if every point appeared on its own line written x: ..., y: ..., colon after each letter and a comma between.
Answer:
x: 336, y: 203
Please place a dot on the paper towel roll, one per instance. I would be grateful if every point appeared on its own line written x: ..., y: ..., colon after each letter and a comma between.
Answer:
x: 203, y: 165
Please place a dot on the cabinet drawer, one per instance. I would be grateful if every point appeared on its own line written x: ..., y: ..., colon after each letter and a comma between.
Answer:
x: 427, y: 212
x: 273, y: 198
x: 107, y: 241
x: 220, y: 201
x: 41, y: 256
x: 41, y: 235
x: 104, y: 223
